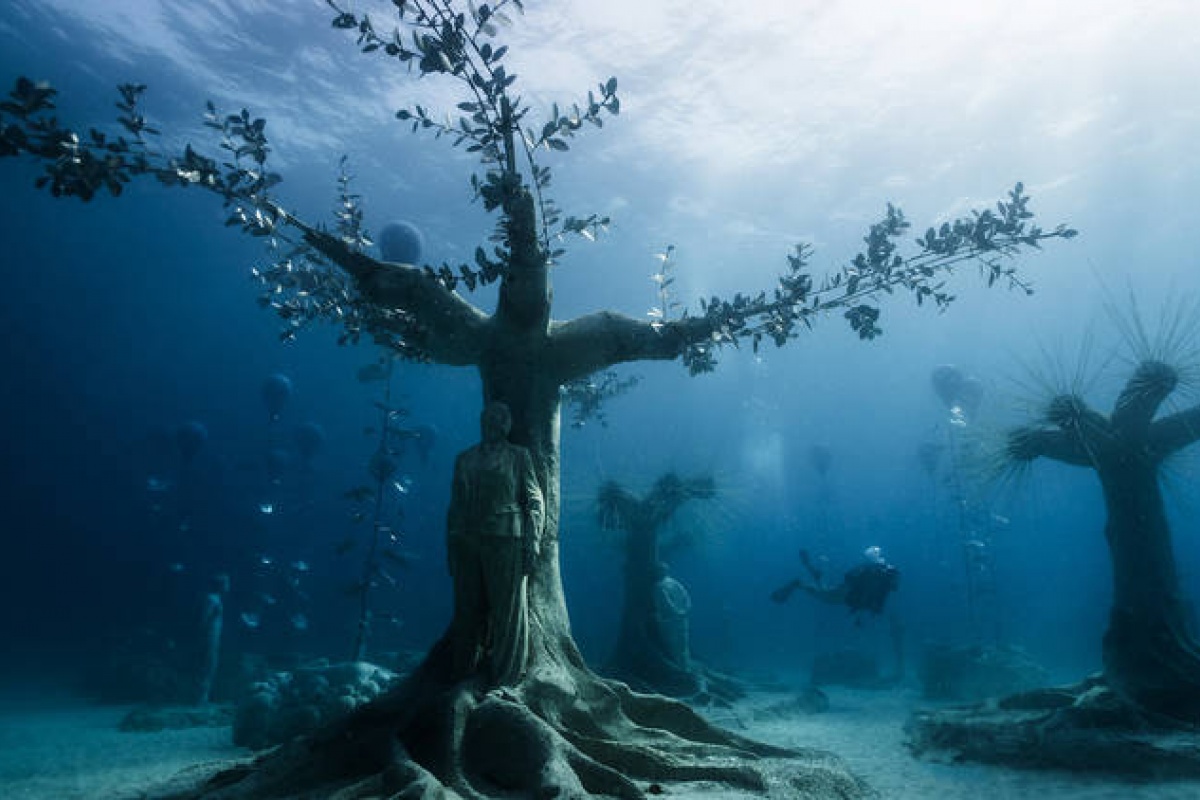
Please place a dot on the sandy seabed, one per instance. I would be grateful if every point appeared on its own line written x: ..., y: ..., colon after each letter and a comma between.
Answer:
x: 78, y: 753
x: 68, y: 750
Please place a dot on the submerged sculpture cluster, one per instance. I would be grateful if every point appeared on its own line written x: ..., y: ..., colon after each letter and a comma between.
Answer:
x: 504, y: 703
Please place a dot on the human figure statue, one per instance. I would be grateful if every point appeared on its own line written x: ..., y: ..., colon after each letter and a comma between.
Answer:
x: 672, y: 605
x: 212, y: 614
x: 864, y: 589
x: 492, y: 542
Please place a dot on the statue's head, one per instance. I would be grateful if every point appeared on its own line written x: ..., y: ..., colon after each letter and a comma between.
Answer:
x: 495, y: 421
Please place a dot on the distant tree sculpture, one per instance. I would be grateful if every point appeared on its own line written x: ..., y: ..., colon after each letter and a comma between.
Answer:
x: 1151, y: 655
x: 562, y: 730
x: 653, y: 651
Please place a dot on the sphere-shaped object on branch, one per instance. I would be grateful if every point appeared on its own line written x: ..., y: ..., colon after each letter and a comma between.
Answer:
x: 401, y: 242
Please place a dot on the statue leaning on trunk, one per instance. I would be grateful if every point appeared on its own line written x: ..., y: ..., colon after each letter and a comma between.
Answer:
x: 492, y: 542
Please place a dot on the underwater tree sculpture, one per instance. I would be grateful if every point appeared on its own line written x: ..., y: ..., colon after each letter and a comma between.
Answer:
x: 652, y: 652
x: 1126, y: 721
x: 562, y: 730
x: 1151, y: 654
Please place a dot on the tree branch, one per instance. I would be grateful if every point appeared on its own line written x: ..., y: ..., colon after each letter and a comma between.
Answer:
x: 616, y: 507
x: 596, y: 341
x: 1027, y: 444
x: 1175, y: 432
x: 1149, y: 385
x: 437, y: 321
x: 670, y: 492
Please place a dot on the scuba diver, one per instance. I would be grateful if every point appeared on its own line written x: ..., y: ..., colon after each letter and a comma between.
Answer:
x: 865, y: 588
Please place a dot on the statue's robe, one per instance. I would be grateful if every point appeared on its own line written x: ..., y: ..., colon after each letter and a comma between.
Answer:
x: 492, y: 531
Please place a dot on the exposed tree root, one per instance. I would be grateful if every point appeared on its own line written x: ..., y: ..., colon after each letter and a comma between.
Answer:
x: 697, y: 684
x: 560, y: 733
x: 1155, y: 664
x: 1083, y: 728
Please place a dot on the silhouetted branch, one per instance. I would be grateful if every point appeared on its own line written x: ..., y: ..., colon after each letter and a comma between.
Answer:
x: 1149, y: 385
x: 1175, y: 432
x: 1027, y: 444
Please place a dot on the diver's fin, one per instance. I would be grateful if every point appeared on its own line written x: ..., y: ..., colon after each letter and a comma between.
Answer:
x: 782, y: 594
x: 806, y: 560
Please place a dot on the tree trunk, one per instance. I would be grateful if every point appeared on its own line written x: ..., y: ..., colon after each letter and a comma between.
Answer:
x: 561, y: 731
x: 1150, y: 651
x: 641, y: 657
x: 510, y: 374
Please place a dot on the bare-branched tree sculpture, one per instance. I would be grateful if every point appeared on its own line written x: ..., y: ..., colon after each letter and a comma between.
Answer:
x: 1151, y: 655
x: 653, y: 651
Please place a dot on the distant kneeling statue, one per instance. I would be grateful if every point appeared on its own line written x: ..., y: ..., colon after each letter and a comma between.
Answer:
x: 492, y: 542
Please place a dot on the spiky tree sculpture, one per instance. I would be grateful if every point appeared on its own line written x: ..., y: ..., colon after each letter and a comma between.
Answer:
x: 646, y: 655
x: 562, y: 729
x: 1151, y: 655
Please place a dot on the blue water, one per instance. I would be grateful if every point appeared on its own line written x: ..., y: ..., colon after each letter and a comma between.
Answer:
x: 125, y: 318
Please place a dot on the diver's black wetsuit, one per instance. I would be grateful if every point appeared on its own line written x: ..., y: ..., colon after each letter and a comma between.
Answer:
x: 868, y: 586
x: 863, y: 588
